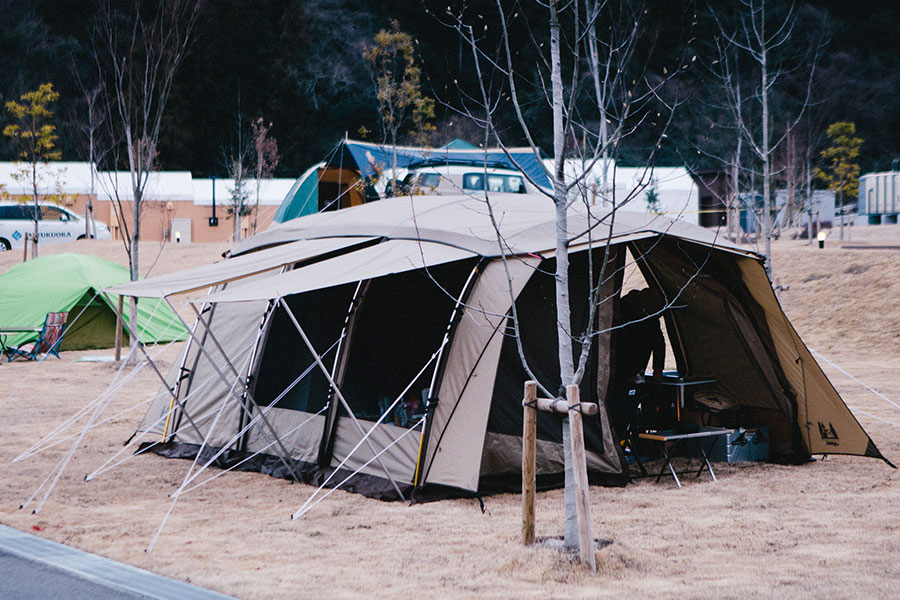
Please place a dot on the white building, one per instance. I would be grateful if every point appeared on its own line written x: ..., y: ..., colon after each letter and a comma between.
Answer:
x: 879, y: 198
x: 676, y: 192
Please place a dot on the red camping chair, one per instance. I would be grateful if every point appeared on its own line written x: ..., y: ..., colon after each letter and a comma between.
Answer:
x: 48, y: 341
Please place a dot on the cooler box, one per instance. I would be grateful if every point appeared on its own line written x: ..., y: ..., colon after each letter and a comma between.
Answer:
x: 742, y: 445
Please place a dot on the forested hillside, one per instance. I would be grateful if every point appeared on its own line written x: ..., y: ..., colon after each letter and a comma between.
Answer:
x: 299, y: 65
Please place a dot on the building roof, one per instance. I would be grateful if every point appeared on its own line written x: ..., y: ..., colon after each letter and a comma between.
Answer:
x: 74, y: 178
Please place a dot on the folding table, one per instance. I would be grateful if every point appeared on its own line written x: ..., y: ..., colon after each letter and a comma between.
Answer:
x: 672, y: 437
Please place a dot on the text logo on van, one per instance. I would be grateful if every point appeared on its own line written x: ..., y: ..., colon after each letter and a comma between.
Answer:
x: 16, y: 235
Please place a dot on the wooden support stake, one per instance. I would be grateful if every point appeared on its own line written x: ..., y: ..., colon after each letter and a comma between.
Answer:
x: 119, y: 329
x: 579, y: 466
x: 529, y: 437
x: 561, y: 407
x: 25, y: 255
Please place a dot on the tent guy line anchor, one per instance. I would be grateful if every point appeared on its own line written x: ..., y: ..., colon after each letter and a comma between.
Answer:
x: 862, y: 383
x: 196, y: 459
x: 114, y: 387
x: 137, y: 438
x: 60, y: 467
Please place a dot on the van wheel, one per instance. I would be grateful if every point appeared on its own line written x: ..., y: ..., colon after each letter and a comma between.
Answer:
x: 79, y: 238
x: 5, y: 245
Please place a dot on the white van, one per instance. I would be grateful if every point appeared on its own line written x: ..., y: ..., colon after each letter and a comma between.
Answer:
x: 57, y: 224
x: 446, y: 180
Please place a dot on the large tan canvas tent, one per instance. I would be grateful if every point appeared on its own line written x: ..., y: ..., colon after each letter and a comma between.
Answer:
x: 378, y: 341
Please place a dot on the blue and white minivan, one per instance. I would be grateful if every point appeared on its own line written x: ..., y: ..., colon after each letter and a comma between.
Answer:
x: 57, y: 224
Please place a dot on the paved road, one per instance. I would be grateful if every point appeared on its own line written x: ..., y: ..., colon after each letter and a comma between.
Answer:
x: 25, y: 579
x: 33, y: 568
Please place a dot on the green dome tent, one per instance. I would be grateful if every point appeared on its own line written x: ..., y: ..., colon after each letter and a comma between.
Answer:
x: 68, y: 282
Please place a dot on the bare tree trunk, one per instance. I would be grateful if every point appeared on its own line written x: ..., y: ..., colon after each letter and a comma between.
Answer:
x: 809, y: 198
x: 840, y: 198
x: 563, y: 311
x: 239, y: 205
x: 767, y: 174
x: 37, y: 209
x: 790, y: 211
x: 135, y: 272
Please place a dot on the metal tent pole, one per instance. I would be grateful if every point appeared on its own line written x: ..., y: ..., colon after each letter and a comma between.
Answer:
x: 285, y: 458
x: 326, y: 447
x: 152, y: 364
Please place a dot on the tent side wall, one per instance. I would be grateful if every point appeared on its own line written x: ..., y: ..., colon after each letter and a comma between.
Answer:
x: 501, y: 461
x: 453, y: 454
x: 199, y: 387
x: 827, y: 425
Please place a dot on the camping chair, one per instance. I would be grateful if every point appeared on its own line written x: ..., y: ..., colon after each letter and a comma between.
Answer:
x: 48, y: 341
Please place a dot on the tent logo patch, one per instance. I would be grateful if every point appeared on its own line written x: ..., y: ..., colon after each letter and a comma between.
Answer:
x: 16, y: 235
x: 828, y: 433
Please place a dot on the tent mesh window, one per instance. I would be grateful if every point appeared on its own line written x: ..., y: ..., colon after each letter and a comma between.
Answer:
x: 321, y: 314
x: 401, y: 323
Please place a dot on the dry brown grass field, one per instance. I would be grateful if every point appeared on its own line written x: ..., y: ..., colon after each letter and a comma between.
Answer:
x: 828, y: 529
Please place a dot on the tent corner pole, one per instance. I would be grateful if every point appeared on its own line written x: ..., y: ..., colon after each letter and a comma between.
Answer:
x: 127, y: 327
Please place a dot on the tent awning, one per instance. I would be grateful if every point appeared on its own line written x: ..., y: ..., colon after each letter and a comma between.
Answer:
x: 233, y: 269
x: 387, y: 258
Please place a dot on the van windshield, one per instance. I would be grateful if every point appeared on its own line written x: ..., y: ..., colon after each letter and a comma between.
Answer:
x: 508, y: 184
x: 51, y: 213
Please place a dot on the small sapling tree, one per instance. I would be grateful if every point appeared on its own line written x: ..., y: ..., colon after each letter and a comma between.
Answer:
x: 841, y: 169
x: 402, y: 108
x: 36, y: 137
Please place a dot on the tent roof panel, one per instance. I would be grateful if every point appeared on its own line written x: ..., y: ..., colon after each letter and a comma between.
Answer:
x: 526, y: 224
x: 236, y: 268
x: 394, y: 256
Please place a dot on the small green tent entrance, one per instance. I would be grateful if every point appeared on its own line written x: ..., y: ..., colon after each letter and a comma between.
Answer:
x: 373, y: 347
x: 71, y: 283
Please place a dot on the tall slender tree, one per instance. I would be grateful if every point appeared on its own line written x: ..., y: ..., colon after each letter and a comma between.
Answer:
x: 763, y: 36
x: 265, y: 157
x: 140, y: 49
x: 595, y: 89
x: 402, y: 107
